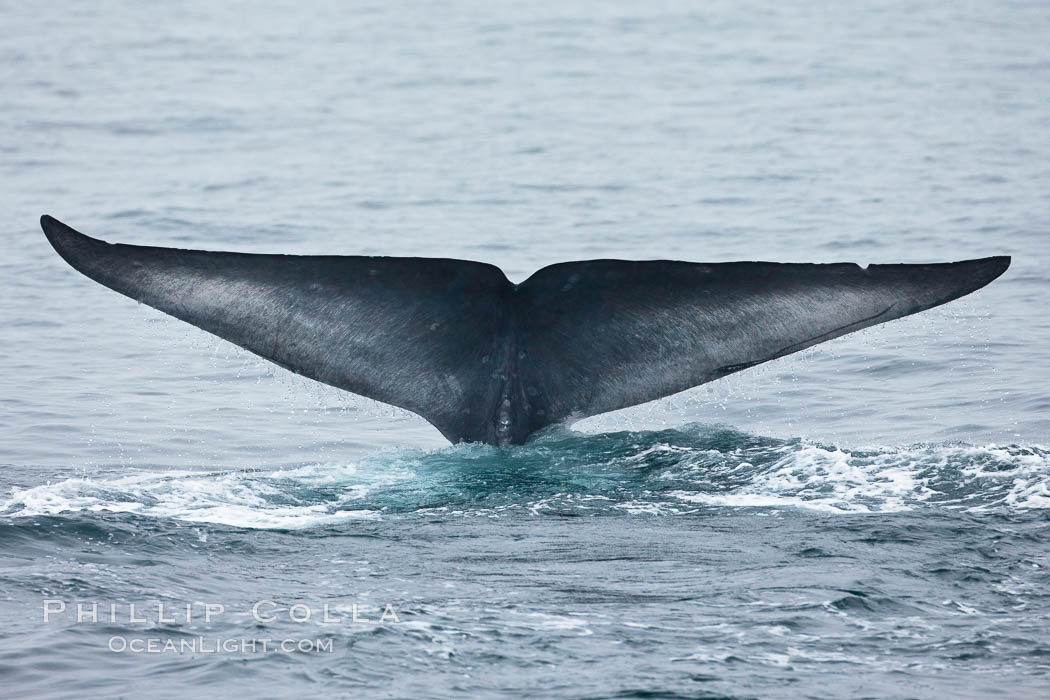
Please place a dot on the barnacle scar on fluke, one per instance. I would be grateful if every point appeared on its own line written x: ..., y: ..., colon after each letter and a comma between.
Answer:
x: 486, y: 360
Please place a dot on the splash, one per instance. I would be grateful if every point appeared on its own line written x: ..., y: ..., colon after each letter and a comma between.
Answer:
x: 564, y: 473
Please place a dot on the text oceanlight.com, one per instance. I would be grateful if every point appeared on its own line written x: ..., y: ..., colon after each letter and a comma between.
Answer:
x: 261, y: 613
x: 218, y: 645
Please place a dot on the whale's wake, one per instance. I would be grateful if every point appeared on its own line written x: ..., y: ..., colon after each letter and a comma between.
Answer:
x: 566, y: 474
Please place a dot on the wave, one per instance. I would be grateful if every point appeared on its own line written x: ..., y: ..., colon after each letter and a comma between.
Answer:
x: 564, y: 473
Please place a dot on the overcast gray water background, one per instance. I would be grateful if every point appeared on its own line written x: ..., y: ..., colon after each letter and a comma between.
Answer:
x: 866, y: 518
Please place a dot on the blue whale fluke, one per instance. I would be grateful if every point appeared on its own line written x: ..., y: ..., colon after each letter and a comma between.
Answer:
x: 485, y: 360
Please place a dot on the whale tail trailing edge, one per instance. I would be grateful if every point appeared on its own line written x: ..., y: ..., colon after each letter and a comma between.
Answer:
x: 485, y: 360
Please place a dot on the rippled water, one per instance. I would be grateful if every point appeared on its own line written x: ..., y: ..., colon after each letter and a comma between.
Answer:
x: 867, y: 518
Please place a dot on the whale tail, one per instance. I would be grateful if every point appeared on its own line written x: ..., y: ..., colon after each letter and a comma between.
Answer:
x: 485, y: 360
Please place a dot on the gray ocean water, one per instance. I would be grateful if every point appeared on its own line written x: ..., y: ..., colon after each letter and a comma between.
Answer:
x: 866, y: 518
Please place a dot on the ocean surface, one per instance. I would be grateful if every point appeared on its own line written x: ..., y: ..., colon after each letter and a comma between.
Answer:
x: 869, y: 518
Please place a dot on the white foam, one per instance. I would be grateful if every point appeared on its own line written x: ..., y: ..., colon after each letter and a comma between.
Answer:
x: 764, y: 474
x: 887, y: 480
x: 240, y: 499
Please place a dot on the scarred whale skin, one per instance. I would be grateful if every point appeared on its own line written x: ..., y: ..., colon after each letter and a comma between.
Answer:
x: 486, y: 360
